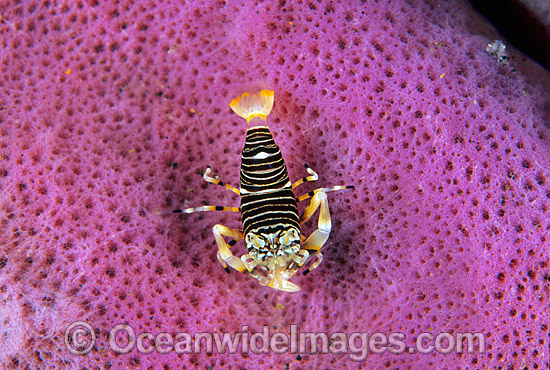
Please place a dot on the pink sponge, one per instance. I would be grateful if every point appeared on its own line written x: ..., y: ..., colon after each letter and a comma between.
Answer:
x: 110, y: 110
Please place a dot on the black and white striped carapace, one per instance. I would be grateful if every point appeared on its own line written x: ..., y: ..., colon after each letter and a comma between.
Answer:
x: 271, y: 223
